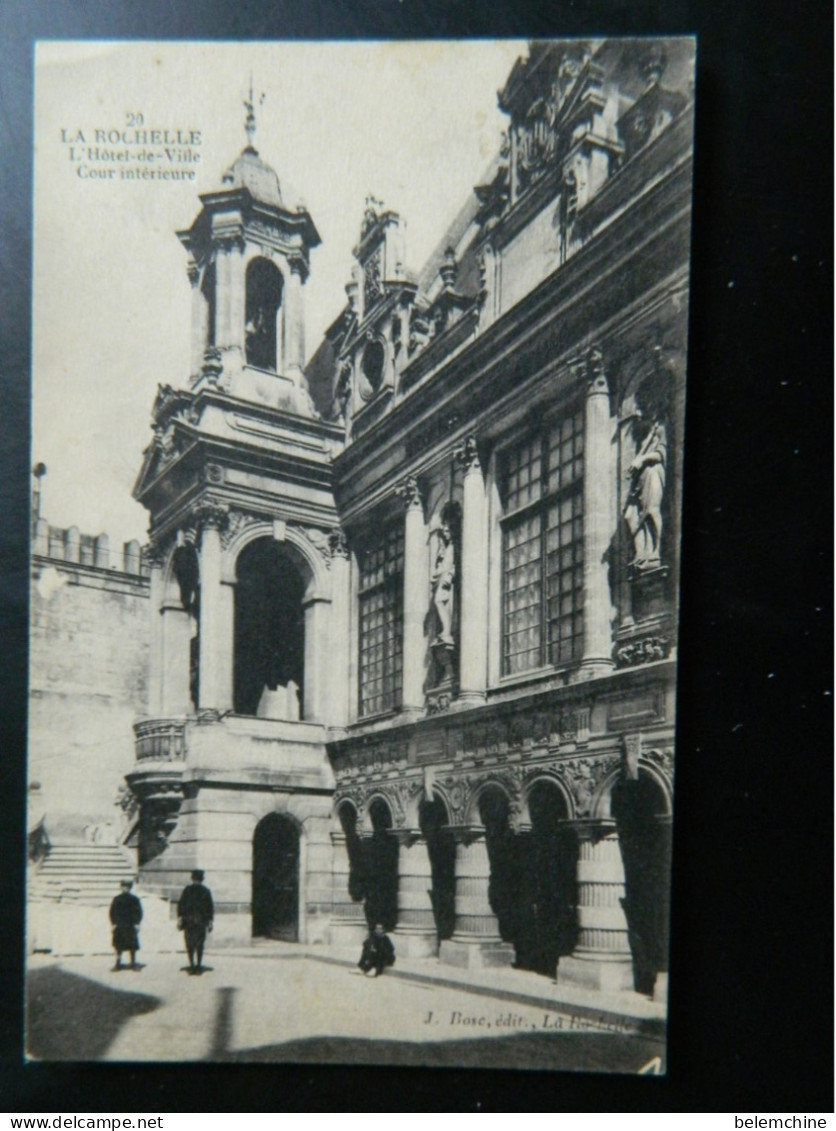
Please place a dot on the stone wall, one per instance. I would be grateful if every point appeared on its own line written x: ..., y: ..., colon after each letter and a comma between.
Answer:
x: 89, y: 654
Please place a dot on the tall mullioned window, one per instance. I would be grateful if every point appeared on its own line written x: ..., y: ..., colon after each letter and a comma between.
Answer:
x: 381, y: 623
x: 542, y: 548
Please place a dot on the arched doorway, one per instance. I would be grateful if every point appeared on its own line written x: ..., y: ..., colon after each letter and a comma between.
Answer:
x: 441, y: 848
x: 642, y: 816
x: 269, y: 665
x: 381, y: 869
x: 547, y: 863
x: 275, y: 905
x: 502, y: 889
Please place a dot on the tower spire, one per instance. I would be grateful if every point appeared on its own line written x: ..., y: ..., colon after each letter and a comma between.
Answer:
x: 249, y: 121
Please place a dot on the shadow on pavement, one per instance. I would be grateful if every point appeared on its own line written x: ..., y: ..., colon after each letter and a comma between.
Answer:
x: 73, y: 1018
x: 578, y: 1052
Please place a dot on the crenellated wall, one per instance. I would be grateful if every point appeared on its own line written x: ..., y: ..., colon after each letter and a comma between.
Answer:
x: 89, y: 651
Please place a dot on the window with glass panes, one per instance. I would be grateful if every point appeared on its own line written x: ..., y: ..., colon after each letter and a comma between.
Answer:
x: 542, y: 548
x: 381, y: 623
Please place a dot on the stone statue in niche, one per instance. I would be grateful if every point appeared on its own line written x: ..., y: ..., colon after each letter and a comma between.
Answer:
x: 442, y: 580
x: 643, y: 512
x: 443, y: 583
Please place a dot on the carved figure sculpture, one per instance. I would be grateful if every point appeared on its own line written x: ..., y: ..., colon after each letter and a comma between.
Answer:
x: 442, y: 578
x: 643, y: 513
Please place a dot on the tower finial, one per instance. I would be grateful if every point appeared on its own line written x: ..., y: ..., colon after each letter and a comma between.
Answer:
x: 249, y: 122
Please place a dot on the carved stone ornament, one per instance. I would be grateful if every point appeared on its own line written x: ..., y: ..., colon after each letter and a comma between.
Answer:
x: 409, y: 492
x: 321, y: 542
x: 467, y: 456
x: 211, y: 513
x: 338, y: 544
x: 237, y: 521
x: 646, y: 650
x: 399, y: 796
x: 213, y: 473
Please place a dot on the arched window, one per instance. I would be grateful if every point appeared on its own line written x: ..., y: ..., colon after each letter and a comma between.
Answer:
x: 264, y: 297
x: 269, y: 665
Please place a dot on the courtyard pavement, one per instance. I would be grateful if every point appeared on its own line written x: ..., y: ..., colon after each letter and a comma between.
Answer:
x: 284, y: 1003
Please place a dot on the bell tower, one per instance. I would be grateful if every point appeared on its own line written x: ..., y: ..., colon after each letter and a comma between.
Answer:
x: 249, y: 258
x: 249, y: 573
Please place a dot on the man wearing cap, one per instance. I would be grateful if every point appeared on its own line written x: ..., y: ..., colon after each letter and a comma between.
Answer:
x: 125, y: 915
x: 195, y: 913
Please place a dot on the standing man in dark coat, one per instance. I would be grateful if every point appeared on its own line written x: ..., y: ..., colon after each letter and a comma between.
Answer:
x: 125, y: 915
x: 195, y: 913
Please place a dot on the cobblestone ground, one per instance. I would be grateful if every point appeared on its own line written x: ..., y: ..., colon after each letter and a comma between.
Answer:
x: 297, y: 1008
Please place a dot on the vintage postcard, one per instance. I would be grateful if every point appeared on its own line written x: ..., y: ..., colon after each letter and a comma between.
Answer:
x: 358, y: 384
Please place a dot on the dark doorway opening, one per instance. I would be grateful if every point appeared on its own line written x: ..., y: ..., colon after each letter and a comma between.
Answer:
x: 275, y: 906
x: 269, y: 633
x: 441, y: 848
x: 642, y: 819
x: 546, y: 920
x: 493, y: 811
x: 381, y: 869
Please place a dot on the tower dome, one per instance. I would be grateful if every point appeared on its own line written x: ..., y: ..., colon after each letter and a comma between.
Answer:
x: 251, y: 173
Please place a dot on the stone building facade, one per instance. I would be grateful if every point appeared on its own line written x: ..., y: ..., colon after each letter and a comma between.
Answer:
x: 413, y: 605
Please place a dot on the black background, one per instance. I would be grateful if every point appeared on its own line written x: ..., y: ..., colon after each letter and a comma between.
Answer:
x: 751, y: 976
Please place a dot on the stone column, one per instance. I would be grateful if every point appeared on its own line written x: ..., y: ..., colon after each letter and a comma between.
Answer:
x: 339, y: 646
x: 415, y: 595
x: 294, y: 322
x: 473, y: 636
x: 223, y: 294
x: 416, y: 935
x: 237, y: 295
x: 348, y: 920
x: 598, y: 522
x: 602, y: 959
x: 476, y: 941
x: 200, y: 315
x: 215, y: 634
x: 176, y: 634
x: 155, y: 660
x: 318, y: 658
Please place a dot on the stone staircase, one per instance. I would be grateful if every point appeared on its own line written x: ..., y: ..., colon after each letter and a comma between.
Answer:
x: 85, y: 874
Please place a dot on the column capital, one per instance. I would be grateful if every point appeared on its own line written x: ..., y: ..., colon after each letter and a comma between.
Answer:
x: 592, y: 828
x: 193, y: 272
x: 156, y: 552
x: 298, y: 266
x: 466, y: 834
x: 210, y: 514
x: 406, y: 837
x: 231, y: 241
x: 467, y: 456
x: 338, y: 543
x: 596, y: 377
x: 410, y: 493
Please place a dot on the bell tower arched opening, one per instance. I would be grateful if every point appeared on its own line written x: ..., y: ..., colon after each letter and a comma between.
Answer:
x: 263, y: 301
x: 269, y: 661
